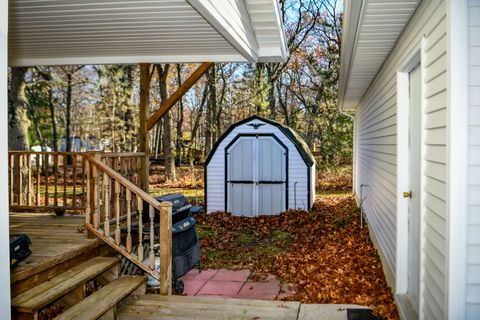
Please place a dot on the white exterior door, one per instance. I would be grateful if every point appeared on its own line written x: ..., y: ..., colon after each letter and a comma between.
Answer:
x: 256, y: 176
x: 414, y: 219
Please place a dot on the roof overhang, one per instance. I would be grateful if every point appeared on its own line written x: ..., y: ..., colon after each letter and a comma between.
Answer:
x: 62, y: 32
x: 371, y: 29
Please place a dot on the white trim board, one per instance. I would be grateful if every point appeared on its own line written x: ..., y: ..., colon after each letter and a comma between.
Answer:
x: 403, y: 179
x: 457, y: 154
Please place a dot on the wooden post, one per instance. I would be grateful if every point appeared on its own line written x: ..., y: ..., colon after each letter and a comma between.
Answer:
x: 88, y: 218
x: 166, y: 248
x: 144, y: 113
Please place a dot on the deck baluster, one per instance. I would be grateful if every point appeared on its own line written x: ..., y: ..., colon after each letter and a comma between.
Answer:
x: 151, y: 213
x: 11, y: 161
x: 129, y: 220
x: 37, y: 192
x: 74, y: 163
x: 20, y: 180
x: 46, y: 158
x: 65, y: 177
x: 140, y: 228
x: 106, y: 204
x: 97, y: 182
x: 117, y: 212
x: 55, y: 172
x: 29, y: 179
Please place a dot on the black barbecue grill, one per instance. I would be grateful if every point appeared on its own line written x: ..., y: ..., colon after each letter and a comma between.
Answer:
x: 185, y: 244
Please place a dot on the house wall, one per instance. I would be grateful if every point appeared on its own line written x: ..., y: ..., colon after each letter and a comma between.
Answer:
x: 297, y: 171
x: 376, y: 146
x: 473, y: 230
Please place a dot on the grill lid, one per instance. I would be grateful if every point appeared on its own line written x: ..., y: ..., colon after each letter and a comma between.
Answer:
x: 178, y: 200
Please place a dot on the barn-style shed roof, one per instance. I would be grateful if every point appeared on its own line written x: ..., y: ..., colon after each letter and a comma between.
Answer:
x: 52, y: 32
x: 293, y: 136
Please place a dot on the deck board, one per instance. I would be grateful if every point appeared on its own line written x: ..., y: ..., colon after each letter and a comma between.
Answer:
x: 181, y: 307
x: 54, y: 240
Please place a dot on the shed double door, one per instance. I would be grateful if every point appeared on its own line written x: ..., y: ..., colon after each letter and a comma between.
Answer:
x: 256, y: 176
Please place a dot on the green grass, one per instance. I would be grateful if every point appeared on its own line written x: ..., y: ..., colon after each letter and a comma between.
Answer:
x: 191, y: 194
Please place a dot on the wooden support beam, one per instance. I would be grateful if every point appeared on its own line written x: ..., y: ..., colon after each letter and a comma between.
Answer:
x: 177, y: 95
x: 143, y: 131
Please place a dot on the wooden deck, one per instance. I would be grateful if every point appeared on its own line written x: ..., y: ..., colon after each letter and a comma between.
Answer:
x: 154, y: 306
x: 56, y: 243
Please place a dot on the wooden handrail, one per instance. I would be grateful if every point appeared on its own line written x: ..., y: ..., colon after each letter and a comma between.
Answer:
x: 50, y: 153
x: 121, y: 154
x: 125, y: 182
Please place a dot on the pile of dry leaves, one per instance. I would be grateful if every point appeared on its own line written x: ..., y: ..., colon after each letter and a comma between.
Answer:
x: 325, y: 253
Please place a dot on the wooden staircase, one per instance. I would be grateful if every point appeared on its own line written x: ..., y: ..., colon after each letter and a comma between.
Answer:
x: 70, y: 288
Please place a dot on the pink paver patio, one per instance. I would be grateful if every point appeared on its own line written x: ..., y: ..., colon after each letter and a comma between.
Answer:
x: 232, y: 275
x: 260, y: 290
x: 241, y: 284
x: 226, y: 289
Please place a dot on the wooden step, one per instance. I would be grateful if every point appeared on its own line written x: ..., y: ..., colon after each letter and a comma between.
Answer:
x: 49, y: 291
x: 154, y: 306
x: 97, y: 304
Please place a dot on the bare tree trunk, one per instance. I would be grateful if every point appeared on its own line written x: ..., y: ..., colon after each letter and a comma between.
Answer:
x: 68, y: 115
x: 211, y: 110
x: 168, y: 146
x: 18, y: 121
x: 47, y: 76
x: 196, y: 122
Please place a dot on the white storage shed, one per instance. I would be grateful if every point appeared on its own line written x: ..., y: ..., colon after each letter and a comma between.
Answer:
x: 259, y: 167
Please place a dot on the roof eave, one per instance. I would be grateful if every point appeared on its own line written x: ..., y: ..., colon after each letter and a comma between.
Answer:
x: 351, y: 20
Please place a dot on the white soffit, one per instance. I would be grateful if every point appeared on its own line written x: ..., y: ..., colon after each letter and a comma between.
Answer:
x: 371, y: 29
x: 57, y: 32
x: 267, y: 24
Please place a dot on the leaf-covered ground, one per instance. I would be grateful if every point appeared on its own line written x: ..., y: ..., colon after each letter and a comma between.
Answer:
x: 325, y: 253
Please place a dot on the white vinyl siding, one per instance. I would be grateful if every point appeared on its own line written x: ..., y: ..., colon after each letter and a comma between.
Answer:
x: 473, y: 229
x: 377, y: 144
x: 297, y: 169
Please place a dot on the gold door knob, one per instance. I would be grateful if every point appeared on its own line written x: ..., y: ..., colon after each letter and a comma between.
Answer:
x: 407, y: 194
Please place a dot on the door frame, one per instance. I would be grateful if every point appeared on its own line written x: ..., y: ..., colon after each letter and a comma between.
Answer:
x: 240, y: 135
x: 403, y: 180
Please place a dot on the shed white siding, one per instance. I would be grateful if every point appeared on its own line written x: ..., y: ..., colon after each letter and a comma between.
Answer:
x: 377, y: 143
x: 473, y: 231
x: 297, y: 169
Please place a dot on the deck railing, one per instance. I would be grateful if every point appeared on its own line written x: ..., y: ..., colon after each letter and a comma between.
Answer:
x: 57, y: 180
x: 122, y: 215
x: 47, y: 180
